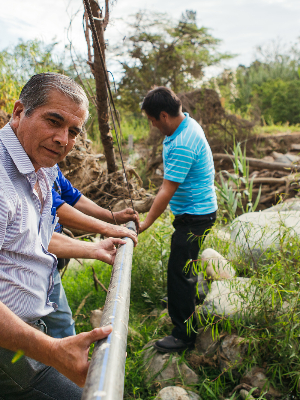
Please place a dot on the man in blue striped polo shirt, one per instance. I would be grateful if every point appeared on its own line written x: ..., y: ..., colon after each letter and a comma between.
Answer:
x: 188, y: 186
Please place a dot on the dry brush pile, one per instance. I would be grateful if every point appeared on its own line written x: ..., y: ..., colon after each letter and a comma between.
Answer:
x: 88, y: 173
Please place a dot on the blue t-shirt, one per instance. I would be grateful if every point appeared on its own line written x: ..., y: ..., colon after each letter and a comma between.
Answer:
x: 63, y: 192
x: 188, y: 160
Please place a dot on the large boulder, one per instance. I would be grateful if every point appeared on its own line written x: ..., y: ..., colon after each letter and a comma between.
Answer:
x: 231, y: 352
x: 253, y: 233
x: 217, y: 267
x: 229, y: 297
x: 288, y: 205
x: 176, y: 393
x: 202, y: 287
x: 166, y: 369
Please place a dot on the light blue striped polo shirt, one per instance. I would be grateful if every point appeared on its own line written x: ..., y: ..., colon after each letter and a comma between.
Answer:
x: 188, y: 160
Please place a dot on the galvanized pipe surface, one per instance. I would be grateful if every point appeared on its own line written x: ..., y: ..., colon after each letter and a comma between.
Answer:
x: 105, y: 379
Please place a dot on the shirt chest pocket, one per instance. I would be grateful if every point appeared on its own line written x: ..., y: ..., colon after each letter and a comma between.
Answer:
x: 47, y: 227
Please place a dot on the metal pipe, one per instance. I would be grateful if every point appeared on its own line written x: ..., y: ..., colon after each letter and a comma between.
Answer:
x: 105, y: 378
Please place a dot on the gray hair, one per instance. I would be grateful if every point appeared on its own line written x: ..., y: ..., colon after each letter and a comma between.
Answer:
x: 36, y: 91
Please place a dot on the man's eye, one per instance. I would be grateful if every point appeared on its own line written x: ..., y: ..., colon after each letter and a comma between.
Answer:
x: 53, y: 121
x: 73, y: 133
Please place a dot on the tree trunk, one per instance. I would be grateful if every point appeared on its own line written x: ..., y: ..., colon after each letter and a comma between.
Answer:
x: 101, y: 92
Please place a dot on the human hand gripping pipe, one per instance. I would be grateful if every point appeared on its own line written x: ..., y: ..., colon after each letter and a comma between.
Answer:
x: 105, y: 378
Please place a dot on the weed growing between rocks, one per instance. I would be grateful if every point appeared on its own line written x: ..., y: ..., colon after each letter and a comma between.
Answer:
x: 265, y: 311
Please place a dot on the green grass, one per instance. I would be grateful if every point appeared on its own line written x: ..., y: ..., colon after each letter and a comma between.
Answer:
x: 78, y: 283
x: 278, y: 128
x: 137, y: 127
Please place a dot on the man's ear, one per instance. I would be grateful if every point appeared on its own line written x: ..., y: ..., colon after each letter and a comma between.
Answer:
x: 163, y: 116
x: 16, y: 115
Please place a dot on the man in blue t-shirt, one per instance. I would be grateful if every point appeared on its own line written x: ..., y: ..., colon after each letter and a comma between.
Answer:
x: 188, y: 187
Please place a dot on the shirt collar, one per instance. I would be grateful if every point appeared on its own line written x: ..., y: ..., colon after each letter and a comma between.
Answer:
x: 179, y: 129
x: 19, y: 155
x: 16, y: 150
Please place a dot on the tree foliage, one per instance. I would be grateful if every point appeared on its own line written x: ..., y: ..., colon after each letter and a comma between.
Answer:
x: 19, y: 63
x: 268, y: 88
x: 278, y: 100
x: 164, y: 53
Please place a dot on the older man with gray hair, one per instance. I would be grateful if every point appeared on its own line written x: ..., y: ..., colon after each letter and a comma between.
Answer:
x: 50, y: 113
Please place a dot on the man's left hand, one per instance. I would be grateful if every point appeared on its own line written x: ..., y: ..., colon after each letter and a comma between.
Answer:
x: 142, y: 227
x: 106, y: 250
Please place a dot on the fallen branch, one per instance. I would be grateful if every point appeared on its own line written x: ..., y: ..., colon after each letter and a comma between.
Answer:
x: 259, y: 164
x: 97, y: 282
x: 81, y: 305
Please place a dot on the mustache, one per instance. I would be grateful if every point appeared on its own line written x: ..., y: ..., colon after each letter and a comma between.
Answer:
x: 59, y: 151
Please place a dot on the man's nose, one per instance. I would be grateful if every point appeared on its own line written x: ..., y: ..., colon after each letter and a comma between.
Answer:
x: 62, y: 137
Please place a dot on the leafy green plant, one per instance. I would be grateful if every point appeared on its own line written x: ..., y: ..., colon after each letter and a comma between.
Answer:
x: 162, y: 52
x: 240, y: 195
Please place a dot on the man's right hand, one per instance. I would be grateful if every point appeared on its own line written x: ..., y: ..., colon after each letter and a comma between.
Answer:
x: 70, y: 355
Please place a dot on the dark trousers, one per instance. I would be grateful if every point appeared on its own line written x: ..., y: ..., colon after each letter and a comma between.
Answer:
x: 181, y: 282
x: 28, y: 379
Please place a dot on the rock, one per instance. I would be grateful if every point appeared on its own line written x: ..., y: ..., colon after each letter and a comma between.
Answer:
x: 95, y: 318
x: 285, y: 158
x: 205, y: 343
x: 154, y: 313
x: 295, y: 147
x: 245, y: 395
x: 176, y: 393
x: 166, y: 369
x: 253, y: 233
x: 268, y: 158
x: 220, y: 234
x: 164, y: 318
x: 217, y: 267
x: 256, y: 378
x: 288, y: 205
x: 229, y: 297
x: 100, y: 156
x: 231, y: 352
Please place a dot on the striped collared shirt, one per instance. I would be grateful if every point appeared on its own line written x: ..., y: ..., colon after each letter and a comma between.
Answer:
x: 26, y: 227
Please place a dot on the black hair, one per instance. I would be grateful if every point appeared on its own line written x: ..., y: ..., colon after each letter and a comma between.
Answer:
x: 161, y: 99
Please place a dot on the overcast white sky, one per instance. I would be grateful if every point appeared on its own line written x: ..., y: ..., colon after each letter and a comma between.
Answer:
x: 241, y: 24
